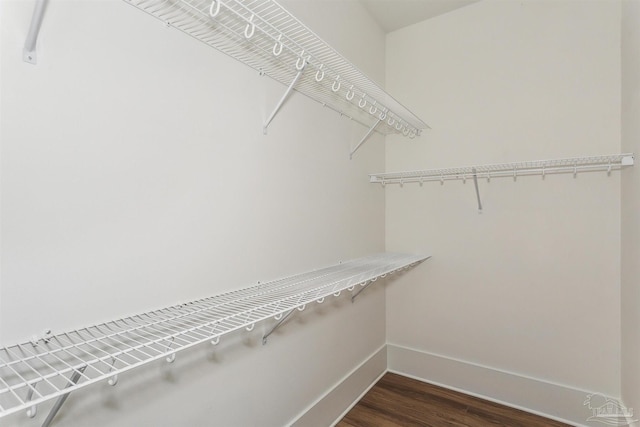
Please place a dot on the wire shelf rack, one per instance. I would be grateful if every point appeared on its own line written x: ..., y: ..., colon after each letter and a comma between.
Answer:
x: 35, y: 372
x: 537, y: 167
x: 265, y: 36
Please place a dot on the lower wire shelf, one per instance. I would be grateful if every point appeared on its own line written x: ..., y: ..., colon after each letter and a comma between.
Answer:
x: 35, y: 372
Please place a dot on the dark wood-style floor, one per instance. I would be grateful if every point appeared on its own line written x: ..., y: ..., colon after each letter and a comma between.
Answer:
x: 397, y: 401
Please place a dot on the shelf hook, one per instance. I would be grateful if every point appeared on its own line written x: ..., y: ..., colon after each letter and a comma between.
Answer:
x: 363, y: 102
x: 515, y: 173
x: 250, y: 29
x: 300, y: 62
x: 373, y: 109
x: 213, y: 13
x: 215, y: 340
x: 320, y: 73
x: 544, y: 170
x: 399, y: 125
x: 350, y: 93
x: 250, y: 327
x: 575, y: 169
x: 277, y: 47
x: 172, y: 357
x: 383, y: 115
x: 302, y: 307
x: 441, y: 179
x: 336, y: 82
x: 114, y: 379
x: 391, y: 120
x: 350, y: 288
x: 405, y: 131
x: 320, y: 300
x: 609, y: 169
x: 412, y: 134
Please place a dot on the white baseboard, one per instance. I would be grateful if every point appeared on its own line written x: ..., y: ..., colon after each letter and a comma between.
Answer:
x: 336, y: 402
x: 550, y: 400
x: 554, y: 401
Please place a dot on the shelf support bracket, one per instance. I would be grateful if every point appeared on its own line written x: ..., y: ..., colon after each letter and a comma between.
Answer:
x: 277, y: 325
x: 362, y: 288
x: 475, y: 182
x: 29, y: 53
x: 54, y: 411
x: 282, y: 100
x: 364, y: 138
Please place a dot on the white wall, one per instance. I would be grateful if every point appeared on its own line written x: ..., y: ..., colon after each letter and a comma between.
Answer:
x: 135, y: 175
x: 531, y: 286
x: 631, y: 206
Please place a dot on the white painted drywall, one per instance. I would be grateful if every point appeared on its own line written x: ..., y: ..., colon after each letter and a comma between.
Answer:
x: 631, y: 206
x: 532, y: 285
x: 135, y: 175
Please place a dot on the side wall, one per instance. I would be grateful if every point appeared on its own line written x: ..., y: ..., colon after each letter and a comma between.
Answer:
x: 631, y: 206
x: 529, y: 288
x: 135, y: 175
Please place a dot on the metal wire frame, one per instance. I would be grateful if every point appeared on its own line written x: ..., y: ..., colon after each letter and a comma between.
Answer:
x: 32, y: 373
x: 265, y: 36
x: 538, y: 167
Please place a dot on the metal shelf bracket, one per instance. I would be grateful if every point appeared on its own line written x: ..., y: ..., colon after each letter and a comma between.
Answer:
x: 277, y: 325
x: 56, y: 407
x: 475, y: 183
x: 364, y: 138
x: 282, y: 100
x: 29, y: 53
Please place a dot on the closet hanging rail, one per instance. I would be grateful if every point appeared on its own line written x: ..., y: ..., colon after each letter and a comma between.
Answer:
x: 514, y: 170
x: 34, y: 372
x: 266, y: 37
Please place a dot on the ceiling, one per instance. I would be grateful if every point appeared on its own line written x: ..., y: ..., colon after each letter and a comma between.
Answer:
x: 395, y: 14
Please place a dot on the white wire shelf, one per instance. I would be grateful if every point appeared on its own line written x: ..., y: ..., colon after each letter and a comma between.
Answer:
x: 539, y: 167
x: 34, y: 372
x: 265, y: 36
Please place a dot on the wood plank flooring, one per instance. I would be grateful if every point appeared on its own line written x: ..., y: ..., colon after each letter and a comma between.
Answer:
x: 397, y: 401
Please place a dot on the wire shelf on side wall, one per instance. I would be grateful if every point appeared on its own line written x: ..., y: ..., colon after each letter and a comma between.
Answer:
x: 572, y: 165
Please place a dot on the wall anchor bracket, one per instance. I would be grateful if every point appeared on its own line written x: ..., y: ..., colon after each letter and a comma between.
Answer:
x: 282, y: 100
x: 29, y: 53
x: 475, y: 182
x: 56, y: 407
x: 364, y: 138
x: 277, y: 325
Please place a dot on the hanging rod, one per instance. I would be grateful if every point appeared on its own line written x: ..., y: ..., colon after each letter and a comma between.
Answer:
x: 35, y: 372
x: 265, y: 36
x: 514, y: 170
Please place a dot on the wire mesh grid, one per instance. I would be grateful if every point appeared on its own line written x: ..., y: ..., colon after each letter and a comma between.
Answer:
x: 34, y: 372
x: 537, y: 167
x: 263, y: 35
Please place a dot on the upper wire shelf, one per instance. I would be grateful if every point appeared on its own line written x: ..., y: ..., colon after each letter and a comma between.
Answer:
x: 265, y: 36
x: 34, y: 372
x: 537, y: 167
